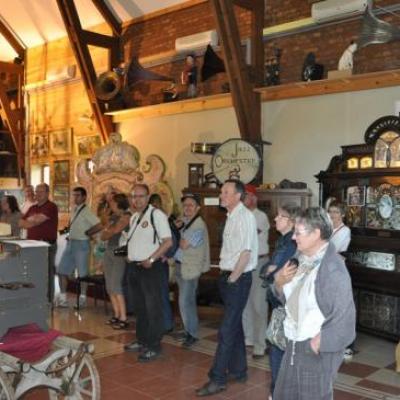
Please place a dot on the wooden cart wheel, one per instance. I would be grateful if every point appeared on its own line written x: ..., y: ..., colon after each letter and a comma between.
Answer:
x: 85, y: 383
x: 6, y: 390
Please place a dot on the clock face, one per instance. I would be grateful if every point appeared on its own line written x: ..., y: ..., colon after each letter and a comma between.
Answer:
x: 385, y: 206
x: 236, y: 159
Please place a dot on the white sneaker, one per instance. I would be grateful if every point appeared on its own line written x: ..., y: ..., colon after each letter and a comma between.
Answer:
x: 82, y: 301
x: 61, y: 301
x: 348, y: 355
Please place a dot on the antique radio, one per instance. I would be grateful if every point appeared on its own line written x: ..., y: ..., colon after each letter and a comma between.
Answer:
x: 23, y: 284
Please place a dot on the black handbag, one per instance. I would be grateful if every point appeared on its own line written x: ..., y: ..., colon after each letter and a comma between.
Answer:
x: 121, y: 251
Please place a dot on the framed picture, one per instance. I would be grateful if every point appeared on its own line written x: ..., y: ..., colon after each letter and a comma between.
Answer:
x: 39, y: 145
x: 61, y: 197
x: 61, y: 172
x: 60, y: 141
x: 85, y: 146
x: 355, y: 195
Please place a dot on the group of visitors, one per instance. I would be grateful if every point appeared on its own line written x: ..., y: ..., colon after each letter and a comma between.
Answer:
x: 304, y: 277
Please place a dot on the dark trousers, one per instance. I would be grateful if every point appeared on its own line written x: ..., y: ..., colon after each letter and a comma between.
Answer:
x: 275, y: 359
x: 167, y: 310
x: 146, y: 287
x: 51, y: 271
x: 230, y: 356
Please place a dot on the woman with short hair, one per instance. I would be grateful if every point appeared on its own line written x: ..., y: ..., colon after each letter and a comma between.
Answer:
x: 10, y: 214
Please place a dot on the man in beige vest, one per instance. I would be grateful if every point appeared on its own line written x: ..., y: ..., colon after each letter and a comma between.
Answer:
x: 192, y: 259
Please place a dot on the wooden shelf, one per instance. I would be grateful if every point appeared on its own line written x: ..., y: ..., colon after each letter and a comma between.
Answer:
x: 177, y: 107
x: 374, y: 80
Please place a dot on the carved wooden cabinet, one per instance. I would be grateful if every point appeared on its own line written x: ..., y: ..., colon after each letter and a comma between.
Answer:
x: 371, y: 192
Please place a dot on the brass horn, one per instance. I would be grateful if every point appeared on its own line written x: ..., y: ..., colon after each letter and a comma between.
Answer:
x: 376, y: 31
x: 137, y: 73
x: 108, y: 85
x: 212, y: 64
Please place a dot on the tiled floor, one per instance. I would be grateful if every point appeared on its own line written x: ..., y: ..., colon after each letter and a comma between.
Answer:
x: 178, y: 372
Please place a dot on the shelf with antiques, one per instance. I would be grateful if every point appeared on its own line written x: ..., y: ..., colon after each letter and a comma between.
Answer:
x: 373, y: 80
x: 366, y: 177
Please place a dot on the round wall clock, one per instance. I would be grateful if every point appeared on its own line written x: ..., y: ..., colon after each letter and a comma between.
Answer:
x: 236, y: 159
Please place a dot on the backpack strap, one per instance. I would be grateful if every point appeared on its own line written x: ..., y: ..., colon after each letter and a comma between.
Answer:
x: 155, y: 237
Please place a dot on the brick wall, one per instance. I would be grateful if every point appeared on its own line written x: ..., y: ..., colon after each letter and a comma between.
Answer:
x: 157, y: 35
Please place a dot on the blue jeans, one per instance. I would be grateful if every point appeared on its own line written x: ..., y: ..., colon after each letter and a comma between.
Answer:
x: 275, y: 359
x: 166, y: 305
x: 230, y: 356
x: 187, y: 303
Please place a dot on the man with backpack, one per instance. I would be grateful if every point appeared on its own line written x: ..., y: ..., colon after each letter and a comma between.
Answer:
x: 148, y: 240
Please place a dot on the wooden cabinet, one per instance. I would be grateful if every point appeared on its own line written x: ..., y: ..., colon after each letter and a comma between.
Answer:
x: 372, y: 198
x: 268, y: 200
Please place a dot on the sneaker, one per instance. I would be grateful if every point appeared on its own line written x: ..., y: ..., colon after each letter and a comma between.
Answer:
x: 348, y: 355
x: 189, y: 341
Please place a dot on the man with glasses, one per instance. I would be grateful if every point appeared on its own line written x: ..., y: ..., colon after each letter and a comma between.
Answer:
x: 238, y: 258
x: 148, y: 239
x: 255, y: 314
x: 41, y: 222
x: 320, y: 312
x: 76, y: 255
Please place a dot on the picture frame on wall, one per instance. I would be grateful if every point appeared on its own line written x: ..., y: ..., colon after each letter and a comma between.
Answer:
x: 60, y: 141
x: 39, y: 145
x: 61, y: 198
x: 61, y: 172
x: 86, y: 146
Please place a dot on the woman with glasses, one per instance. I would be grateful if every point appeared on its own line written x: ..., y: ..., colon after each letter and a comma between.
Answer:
x: 285, y: 248
x: 320, y: 311
x: 341, y: 233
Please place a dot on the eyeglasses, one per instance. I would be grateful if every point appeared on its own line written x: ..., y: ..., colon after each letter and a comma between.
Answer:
x: 282, y: 216
x: 138, y: 196
x: 300, y: 232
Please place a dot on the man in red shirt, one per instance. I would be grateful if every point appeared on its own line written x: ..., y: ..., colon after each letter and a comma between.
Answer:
x: 41, y: 222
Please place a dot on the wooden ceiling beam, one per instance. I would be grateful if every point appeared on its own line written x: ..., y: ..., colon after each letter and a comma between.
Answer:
x: 246, y: 102
x: 11, y: 68
x: 108, y: 15
x: 80, y: 39
x: 12, y: 39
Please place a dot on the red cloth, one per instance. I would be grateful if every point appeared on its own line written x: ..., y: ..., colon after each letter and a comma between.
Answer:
x: 28, y: 342
x: 47, y: 230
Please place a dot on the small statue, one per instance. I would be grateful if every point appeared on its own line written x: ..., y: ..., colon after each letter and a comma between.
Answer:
x: 189, y: 76
x: 346, y: 60
x: 273, y: 69
x: 311, y: 70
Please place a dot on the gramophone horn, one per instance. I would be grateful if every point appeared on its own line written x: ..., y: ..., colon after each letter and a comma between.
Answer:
x: 375, y: 31
x: 137, y: 73
x: 108, y: 85
x: 212, y: 64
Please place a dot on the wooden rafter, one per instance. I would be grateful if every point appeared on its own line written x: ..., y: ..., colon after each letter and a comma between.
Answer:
x: 80, y: 39
x: 107, y: 14
x: 12, y: 39
x: 246, y: 102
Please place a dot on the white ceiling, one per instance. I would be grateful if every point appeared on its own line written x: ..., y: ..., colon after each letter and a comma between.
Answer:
x: 38, y: 21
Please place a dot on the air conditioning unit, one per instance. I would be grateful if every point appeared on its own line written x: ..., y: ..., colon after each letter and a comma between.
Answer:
x: 61, y: 73
x: 329, y: 10
x: 196, y: 41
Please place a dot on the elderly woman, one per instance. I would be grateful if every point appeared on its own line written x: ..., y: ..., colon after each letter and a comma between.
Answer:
x: 114, y: 267
x: 285, y: 249
x: 192, y: 259
x: 10, y: 214
x: 341, y: 234
x: 320, y: 312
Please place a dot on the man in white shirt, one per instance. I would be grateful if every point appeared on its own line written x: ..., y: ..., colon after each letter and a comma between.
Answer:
x: 238, y: 258
x: 148, y: 239
x: 255, y: 314
x: 320, y: 312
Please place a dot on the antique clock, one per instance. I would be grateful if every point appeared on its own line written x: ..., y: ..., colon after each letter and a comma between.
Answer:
x: 236, y: 159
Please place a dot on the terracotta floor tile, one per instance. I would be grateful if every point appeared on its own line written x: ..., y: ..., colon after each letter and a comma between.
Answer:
x: 157, y: 386
x: 130, y: 376
x: 185, y: 375
x: 188, y: 393
x: 258, y: 392
x: 379, y: 386
x: 213, y: 338
x: 38, y: 394
x: 111, y: 363
x: 340, y: 395
x: 357, y: 369
x: 124, y: 338
x: 125, y: 393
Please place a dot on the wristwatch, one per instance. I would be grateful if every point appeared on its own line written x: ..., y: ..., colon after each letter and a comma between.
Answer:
x: 151, y: 260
